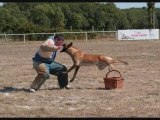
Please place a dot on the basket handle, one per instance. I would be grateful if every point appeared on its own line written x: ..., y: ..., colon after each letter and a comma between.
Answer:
x: 112, y: 71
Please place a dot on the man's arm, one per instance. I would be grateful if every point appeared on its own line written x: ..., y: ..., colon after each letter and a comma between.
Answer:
x: 49, y: 48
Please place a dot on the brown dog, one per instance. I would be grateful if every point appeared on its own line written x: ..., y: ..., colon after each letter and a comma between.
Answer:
x: 82, y: 59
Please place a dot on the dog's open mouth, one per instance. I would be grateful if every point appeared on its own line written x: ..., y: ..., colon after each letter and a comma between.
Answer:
x: 64, y: 48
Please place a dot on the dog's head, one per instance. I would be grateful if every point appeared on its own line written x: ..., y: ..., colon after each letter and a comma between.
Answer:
x: 66, y: 46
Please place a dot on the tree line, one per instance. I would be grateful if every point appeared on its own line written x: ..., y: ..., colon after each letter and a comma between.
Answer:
x: 25, y: 17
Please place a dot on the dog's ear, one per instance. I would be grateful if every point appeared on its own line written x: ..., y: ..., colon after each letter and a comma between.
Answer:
x: 70, y: 44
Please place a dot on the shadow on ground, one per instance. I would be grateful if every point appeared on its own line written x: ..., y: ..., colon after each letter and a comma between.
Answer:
x: 11, y: 89
x: 14, y: 89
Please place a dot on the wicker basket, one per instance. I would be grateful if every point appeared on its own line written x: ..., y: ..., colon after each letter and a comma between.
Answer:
x: 113, y: 80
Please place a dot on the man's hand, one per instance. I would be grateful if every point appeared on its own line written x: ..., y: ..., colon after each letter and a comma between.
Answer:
x: 59, y: 47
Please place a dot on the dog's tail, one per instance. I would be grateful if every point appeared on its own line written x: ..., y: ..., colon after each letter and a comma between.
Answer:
x: 120, y: 61
x: 111, y: 60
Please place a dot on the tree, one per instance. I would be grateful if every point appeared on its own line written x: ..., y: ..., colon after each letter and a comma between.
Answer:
x: 111, y: 17
x: 51, y: 17
x: 39, y: 17
x: 89, y: 13
x: 158, y: 17
x: 122, y: 21
x: 151, y: 14
x: 57, y: 18
x: 137, y: 18
x: 15, y: 17
x: 100, y: 19
x: 6, y: 20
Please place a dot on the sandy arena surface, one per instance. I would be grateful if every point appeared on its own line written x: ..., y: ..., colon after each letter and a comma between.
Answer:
x: 140, y: 96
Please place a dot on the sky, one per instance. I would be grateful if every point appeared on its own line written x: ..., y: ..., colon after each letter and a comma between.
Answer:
x: 125, y: 5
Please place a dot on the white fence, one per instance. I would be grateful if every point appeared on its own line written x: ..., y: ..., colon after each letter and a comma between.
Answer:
x: 24, y: 37
x: 100, y: 35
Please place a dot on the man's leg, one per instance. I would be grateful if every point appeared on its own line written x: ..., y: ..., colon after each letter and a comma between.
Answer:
x: 61, y: 72
x: 42, y: 75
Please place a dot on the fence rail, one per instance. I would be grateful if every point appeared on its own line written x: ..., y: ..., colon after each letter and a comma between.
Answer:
x: 9, y: 37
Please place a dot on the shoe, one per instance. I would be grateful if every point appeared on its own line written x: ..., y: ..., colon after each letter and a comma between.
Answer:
x: 68, y: 87
x: 32, y: 90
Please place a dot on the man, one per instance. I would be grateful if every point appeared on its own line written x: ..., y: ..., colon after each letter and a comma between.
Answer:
x: 44, y: 64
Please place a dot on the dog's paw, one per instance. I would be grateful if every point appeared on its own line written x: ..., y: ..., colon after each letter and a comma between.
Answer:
x: 71, y: 81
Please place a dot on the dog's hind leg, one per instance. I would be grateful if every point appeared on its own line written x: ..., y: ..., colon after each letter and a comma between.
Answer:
x: 111, y: 67
x: 75, y: 73
x: 71, y: 68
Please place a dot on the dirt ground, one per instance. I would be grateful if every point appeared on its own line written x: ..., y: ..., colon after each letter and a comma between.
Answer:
x: 139, y: 97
